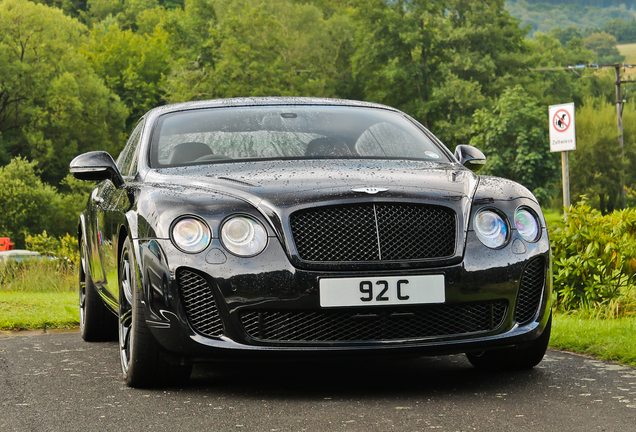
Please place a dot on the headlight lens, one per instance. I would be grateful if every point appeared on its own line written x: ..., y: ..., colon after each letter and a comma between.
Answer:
x: 191, y: 235
x: 491, y: 229
x: 527, y: 224
x: 243, y: 236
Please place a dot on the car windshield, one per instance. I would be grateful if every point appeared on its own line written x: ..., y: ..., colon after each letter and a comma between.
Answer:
x: 214, y: 135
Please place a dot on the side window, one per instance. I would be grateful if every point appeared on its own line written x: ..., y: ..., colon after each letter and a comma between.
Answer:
x: 127, y: 156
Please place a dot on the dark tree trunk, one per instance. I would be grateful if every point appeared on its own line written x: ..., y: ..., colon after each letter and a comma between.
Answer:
x: 601, y: 199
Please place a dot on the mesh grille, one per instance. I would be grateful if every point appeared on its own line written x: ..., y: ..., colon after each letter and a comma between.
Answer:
x: 199, y: 304
x: 374, y: 232
x: 373, y: 324
x: 530, y: 291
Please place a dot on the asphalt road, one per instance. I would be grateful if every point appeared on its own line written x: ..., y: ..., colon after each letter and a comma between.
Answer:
x: 60, y: 383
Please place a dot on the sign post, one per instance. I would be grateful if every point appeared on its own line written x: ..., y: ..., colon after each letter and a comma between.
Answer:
x: 563, y: 139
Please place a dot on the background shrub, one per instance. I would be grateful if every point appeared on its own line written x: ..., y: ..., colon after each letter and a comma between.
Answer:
x: 29, y: 206
x: 65, y: 248
x: 595, y: 260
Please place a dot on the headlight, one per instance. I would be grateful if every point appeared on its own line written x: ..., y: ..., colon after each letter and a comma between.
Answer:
x: 491, y: 229
x: 191, y: 235
x: 243, y: 236
x: 527, y: 224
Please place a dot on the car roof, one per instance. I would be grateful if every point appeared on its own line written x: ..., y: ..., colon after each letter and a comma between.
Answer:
x: 263, y: 101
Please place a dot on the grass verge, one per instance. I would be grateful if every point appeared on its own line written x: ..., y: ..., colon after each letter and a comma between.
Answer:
x: 37, y: 276
x: 608, y: 339
x: 38, y: 310
x: 553, y: 218
x: 629, y: 51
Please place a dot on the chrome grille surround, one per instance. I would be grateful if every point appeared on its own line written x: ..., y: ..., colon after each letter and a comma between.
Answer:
x: 530, y: 291
x: 374, y: 232
x: 371, y: 324
x: 199, y: 304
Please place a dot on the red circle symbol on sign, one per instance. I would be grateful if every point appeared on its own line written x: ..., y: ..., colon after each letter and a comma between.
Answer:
x: 561, y: 120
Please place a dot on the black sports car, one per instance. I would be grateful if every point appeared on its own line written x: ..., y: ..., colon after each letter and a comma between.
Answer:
x: 305, y: 227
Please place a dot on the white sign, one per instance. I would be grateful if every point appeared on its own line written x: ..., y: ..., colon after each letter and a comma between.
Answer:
x: 562, y: 128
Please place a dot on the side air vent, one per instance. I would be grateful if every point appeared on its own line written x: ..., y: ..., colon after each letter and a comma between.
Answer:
x: 199, y: 304
x: 530, y: 291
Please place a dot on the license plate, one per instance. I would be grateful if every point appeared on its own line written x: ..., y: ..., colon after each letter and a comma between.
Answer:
x: 379, y: 291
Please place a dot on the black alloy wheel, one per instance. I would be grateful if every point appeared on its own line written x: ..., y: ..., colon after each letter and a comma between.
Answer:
x: 142, y: 362
x: 97, y: 323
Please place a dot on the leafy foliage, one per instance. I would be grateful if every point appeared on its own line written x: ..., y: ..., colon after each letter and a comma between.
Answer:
x: 597, y: 141
x: 437, y: 61
x: 255, y: 48
x: 514, y: 136
x: 30, y: 206
x: 595, y: 259
x: 65, y: 249
x: 134, y: 66
x: 27, y: 203
x: 52, y: 105
x: 604, y: 45
x: 544, y: 15
x: 623, y: 31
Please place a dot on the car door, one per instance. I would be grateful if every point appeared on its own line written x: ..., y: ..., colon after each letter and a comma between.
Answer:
x: 110, y: 205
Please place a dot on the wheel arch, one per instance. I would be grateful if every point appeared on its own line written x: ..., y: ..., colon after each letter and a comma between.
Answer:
x: 126, y: 231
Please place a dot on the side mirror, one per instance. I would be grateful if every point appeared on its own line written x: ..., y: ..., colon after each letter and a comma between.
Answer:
x: 96, y: 165
x: 470, y: 157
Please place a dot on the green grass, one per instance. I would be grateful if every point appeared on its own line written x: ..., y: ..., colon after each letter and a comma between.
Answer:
x: 38, y: 295
x: 37, y: 276
x: 609, y: 339
x: 38, y: 310
x: 553, y: 217
x: 629, y: 51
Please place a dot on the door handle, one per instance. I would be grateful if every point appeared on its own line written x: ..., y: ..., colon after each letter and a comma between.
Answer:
x: 98, y: 199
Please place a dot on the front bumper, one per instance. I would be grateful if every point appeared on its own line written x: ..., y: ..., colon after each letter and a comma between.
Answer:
x: 264, y: 306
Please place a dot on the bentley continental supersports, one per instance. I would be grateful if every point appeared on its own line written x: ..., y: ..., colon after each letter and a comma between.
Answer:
x: 305, y: 228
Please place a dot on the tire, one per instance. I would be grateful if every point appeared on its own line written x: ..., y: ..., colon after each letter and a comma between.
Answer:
x: 512, y: 359
x: 97, y: 322
x: 141, y: 361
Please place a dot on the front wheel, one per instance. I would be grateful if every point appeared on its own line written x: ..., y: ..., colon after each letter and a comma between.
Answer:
x: 514, y: 358
x: 141, y: 361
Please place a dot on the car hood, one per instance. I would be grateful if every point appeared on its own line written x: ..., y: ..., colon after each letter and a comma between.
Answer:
x: 293, y: 183
x: 276, y: 189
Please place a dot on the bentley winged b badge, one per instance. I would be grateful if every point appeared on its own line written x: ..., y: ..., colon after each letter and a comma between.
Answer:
x: 370, y: 190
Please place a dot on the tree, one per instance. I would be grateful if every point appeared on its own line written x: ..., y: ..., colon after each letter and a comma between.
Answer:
x: 30, y: 206
x: 438, y: 61
x: 134, y: 66
x: 623, y: 31
x: 565, y: 35
x: 255, y: 48
x: 52, y: 105
x: 551, y: 87
x: 27, y: 203
x: 604, y: 46
x: 127, y: 14
x: 513, y: 134
x: 596, y: 164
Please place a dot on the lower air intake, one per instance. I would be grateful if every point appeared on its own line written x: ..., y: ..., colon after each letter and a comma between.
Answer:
x: 373, y: 324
